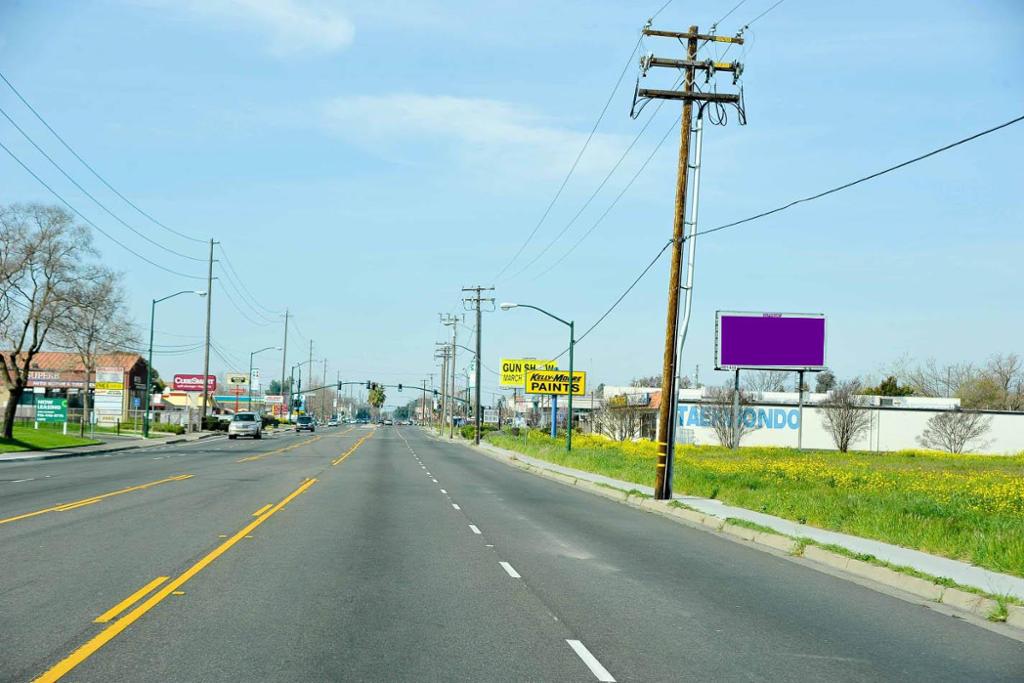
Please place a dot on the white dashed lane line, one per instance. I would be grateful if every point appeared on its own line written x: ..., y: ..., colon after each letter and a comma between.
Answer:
x: 456, y: 506
x: 510, y: 570
x: 444, y: 492
x: 474, y: 529
x: 590, y: 660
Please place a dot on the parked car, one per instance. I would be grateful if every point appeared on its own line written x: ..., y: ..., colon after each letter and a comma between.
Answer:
x: 245, y: 424
x: 388, y: 422
x: 332, y: 423
x: 305, y: 423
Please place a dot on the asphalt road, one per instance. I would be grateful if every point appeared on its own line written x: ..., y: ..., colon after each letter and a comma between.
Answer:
x: 361, y: 554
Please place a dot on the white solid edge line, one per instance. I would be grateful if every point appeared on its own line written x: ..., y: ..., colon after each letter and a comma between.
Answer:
x: 514, y: 574
x: 456, y: 506
x: 474, y: 529
x: 590, y: 660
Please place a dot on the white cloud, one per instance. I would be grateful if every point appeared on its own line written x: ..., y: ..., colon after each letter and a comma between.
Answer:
x: 292, y: 26
x: 481, y: 133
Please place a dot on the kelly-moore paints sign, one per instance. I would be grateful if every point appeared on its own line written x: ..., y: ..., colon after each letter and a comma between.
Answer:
x: 513, y: 370
x: 772, y: 341
x: 555, y: 382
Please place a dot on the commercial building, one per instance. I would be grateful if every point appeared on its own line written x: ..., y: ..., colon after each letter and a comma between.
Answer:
x: 117, y: 386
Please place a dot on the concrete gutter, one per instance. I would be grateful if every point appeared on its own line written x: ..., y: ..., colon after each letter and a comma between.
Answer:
x: 711, y: 515
x: 103, y: 449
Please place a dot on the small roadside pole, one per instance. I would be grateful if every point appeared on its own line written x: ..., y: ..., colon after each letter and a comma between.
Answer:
x: 554, y: 416
x: 800, y: 426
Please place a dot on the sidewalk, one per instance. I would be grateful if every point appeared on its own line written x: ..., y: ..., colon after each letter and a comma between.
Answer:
x: 961, y: 572
x: 120, y: 444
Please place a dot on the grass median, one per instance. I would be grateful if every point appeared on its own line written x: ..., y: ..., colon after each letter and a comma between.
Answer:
x: 969, y: 508
x: 29, y: 439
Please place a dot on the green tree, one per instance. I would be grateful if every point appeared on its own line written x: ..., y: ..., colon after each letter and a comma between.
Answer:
x: 889, y: 387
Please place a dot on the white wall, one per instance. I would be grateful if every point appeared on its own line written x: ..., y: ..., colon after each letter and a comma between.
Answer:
x: 891, y: 428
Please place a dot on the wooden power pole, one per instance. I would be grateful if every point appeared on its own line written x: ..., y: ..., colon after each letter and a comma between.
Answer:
x: 688, y: 95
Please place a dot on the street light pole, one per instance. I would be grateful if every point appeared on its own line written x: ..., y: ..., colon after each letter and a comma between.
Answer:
x: 149, y: 360
x: 571, y: 324
x: 269, y: 348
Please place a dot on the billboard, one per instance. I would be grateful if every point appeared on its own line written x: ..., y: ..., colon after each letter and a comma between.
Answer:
x: 237, y: 379
x: 513, y: 370
x: 769, y: 341
x: 555, y: 382
x: 194, y: 383
x: 277, y: 399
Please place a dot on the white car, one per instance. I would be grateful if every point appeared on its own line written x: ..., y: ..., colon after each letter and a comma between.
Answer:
x: 245, y: 424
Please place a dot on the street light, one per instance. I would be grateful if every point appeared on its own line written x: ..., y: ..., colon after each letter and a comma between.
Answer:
x: 275, y: 348
x: 149, y: 362
x: 572, y: 343
x: 291, y: 388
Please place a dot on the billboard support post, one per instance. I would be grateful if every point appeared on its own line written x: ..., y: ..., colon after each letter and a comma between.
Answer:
x: 736, y: 411
x: 800, y: 427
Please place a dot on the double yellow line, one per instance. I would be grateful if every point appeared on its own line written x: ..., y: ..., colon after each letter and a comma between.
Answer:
x: 280, y: 450
x: 64, y: 507
x: 350, y: 451
x: 110, y: 632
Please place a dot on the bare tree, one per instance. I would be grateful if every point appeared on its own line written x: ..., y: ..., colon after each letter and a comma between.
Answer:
x: 729, y: 427
x: 766, y: 380
x: 844, y: 415
x: 43, y: 261
x: 1007, y: 372
x: 955, y: 431
x: 619, y: 420
x: 649, y: 381
x: 95, y: 323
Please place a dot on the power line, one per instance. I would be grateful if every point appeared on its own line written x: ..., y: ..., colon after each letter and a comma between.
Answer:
x: 621, y: 297
x: 597, y: 191
x: 725, y: 16
x: 91, y: 196
x: 615, y: 201
x: 238, y: 278
x: 230, y: 279
x: 866, y: 178
x: 747, y: 25
x: 579, y: 156
x: 242, y: 312
x: 96, y: 227
x: 91, y: 169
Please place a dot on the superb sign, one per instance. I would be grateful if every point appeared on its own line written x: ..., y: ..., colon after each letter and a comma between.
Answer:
x: 194, y: 383
x: 513, y: 370
x: 769, y: 341
x: 555, y: 382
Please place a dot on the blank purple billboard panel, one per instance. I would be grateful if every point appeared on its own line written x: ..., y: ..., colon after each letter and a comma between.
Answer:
x: 771, y: 340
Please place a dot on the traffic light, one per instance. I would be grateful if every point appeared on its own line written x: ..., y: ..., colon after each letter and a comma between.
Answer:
x: 339, y: 386
x: 369, y: 385
x: 399, y: 386
x: 435, y: 393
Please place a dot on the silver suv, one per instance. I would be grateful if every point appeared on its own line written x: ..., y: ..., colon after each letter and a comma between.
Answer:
x: 245, y: 424
x: 305, y: 422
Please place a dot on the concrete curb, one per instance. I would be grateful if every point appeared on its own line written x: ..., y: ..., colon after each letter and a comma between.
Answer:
x: 60, y: 455
x: 971, y: 603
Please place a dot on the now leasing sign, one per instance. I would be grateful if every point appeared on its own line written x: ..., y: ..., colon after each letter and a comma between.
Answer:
x: 555, y: 382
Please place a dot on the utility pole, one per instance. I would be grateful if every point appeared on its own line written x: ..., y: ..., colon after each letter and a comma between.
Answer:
x: 688, y: 95
x: 452, y: 321
x: 206, y: 352
x: 284, y: 353
x: 309, y: 371
x: 442, y: 353
x: 476, y: 301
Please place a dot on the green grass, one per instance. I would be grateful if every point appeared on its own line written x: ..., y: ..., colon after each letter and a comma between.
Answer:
x: 28, y: 439
x: 969, y: 508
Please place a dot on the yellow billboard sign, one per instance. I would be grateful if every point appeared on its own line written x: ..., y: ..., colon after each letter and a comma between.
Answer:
x: 555, y: 382
x: 513, y: 370
x: 110, y: 386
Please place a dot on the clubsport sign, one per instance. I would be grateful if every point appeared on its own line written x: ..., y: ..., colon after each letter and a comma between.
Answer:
x: 555, y: 382
x: 513, y: 370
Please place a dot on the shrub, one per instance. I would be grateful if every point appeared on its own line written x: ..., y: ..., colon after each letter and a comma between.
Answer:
x: 166, y: 427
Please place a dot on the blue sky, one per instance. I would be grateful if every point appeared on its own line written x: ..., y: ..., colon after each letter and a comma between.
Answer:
x: 363, y: 161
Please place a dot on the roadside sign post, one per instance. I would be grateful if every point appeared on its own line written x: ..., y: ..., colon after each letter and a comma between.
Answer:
x: 554, y: 416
